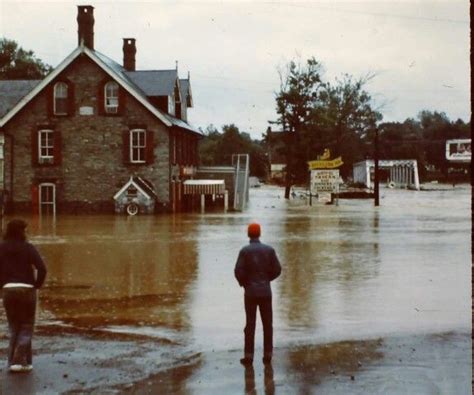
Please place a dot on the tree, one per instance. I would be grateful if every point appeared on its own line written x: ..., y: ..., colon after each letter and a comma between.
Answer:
x: 19, y: 64
x: 216, y: 149
x: 317, y: 115
x: 298, y: 98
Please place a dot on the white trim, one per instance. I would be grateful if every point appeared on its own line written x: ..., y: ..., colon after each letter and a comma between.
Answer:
x: 108, y: 108
x: 54, y: 97
x: 73, y: 55
x: 40, y: 203
x: 51, y: 76
x: 138, y: 146
x: 127, y: 184
x: 42, y: 158
x: 191, y: 104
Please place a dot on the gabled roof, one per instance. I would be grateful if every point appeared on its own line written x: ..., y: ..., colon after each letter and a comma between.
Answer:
x: 154, y: 82
x: 186, y: 94
x: 141, y: 185
x: 114, y: 70
x: 11, y: 93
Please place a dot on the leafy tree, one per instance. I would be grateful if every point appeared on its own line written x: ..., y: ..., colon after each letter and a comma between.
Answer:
x: 297, y: 100
x: 19, y: 64
x: 317, y: 115
x: 216, y: 149
x: 423, y: 139
x: 436, y: 129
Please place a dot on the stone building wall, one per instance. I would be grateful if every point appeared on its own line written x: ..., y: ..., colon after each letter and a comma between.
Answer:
x: 92, y: 168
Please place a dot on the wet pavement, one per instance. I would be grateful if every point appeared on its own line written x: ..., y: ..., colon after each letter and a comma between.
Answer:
x: 164, y: 285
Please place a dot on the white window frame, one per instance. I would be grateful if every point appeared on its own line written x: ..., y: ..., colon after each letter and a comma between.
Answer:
x: 113, y: 96
x: 51, y: 203
x: 49, y: 146
x: 61, y: 91
x: 138, y: 146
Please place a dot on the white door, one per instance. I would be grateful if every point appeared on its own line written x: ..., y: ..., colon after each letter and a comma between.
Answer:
x: 47, y: 198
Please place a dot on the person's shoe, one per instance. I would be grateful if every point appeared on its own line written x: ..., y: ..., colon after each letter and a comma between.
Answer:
x: 246, y: 361
x: 20, y: 368
x: 15, y: 368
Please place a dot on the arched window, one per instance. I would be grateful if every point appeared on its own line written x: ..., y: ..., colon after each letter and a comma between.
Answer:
x: 60, y: 98
x: 111, y: 96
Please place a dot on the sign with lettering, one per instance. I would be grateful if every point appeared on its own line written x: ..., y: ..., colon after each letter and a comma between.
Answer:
x: 324, y: 181
x: 325, y: 164
x: 458, y: 150
x: 86, y: 110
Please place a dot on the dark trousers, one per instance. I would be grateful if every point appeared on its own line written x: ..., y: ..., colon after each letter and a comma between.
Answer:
x: 265, y: 306
x: 20, y: 306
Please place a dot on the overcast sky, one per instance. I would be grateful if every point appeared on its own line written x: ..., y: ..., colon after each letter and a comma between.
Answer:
x: 418, y: 49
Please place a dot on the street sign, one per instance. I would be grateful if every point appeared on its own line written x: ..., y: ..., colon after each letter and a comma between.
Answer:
x: 325, y: 164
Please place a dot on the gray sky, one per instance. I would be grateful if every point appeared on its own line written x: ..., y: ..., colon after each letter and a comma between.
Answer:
x: 418, y: 49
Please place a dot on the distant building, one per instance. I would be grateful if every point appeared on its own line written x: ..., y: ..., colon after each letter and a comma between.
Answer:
x: 71, y: 142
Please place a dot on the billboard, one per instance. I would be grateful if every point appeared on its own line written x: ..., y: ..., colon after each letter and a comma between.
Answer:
x: 458, y: 150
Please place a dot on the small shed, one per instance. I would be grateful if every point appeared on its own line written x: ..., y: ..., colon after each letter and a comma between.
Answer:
x: 136, y: 196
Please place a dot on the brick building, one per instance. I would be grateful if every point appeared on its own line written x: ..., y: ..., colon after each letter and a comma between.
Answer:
x: 70, y: 142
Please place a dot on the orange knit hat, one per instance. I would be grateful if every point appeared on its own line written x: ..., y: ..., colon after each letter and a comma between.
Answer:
x: 253, y: 230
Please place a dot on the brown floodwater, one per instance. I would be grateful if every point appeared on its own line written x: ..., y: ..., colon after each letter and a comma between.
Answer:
x: 350, y: 271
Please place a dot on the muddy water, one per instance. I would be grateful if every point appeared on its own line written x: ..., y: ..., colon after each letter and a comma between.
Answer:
x: 349, y: 271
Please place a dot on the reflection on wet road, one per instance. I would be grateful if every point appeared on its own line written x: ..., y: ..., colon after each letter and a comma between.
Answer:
x: 349, y: 272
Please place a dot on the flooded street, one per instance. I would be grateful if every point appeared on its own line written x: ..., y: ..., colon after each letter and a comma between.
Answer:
x: 350, y: 272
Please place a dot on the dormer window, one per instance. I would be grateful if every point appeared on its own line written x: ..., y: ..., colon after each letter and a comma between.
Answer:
x: 60, y: 98
x: 111, y: 96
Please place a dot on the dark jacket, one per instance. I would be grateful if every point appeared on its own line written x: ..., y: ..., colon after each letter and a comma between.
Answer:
x: 17, y: 262
x: 256, y: 266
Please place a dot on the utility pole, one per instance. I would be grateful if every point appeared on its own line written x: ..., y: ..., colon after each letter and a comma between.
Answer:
x: 376, y: 167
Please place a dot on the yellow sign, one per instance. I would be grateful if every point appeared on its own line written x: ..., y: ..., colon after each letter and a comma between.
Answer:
x: 325, y: 164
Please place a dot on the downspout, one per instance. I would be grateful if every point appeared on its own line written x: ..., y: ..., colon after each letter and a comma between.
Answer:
x: 170, y: 141
x: 12, y: 141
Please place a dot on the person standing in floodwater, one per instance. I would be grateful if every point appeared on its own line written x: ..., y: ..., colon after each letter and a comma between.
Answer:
x: 257, y: 265
x: 18, y: 262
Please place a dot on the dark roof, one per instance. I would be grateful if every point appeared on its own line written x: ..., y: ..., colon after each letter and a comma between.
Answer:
x: 154, y: 82
x: 145, y: 185
x: 11, y: 92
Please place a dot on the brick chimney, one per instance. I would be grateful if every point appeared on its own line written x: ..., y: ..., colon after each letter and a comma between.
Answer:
x: 129, y: 51
x: 85, y: 25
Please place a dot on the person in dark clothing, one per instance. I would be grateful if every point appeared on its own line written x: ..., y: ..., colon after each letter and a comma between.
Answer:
x: 257, y: 265
x: 19, y: 260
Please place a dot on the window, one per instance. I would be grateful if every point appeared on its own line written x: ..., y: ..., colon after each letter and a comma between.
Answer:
x: 47, y: 198
x: 45, y: 146
x: 170, y: 105
x: 60, y: 98
x: 111, y: 95
x: 137, y: 145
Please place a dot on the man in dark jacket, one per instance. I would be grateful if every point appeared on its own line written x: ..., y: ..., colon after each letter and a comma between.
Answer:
x: 257, y: 265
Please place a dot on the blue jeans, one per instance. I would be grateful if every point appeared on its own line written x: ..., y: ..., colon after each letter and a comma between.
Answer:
x: 20, y: 306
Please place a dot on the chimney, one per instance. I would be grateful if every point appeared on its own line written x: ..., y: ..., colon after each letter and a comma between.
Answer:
x: 129, y: 51
x: 85, y: 25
